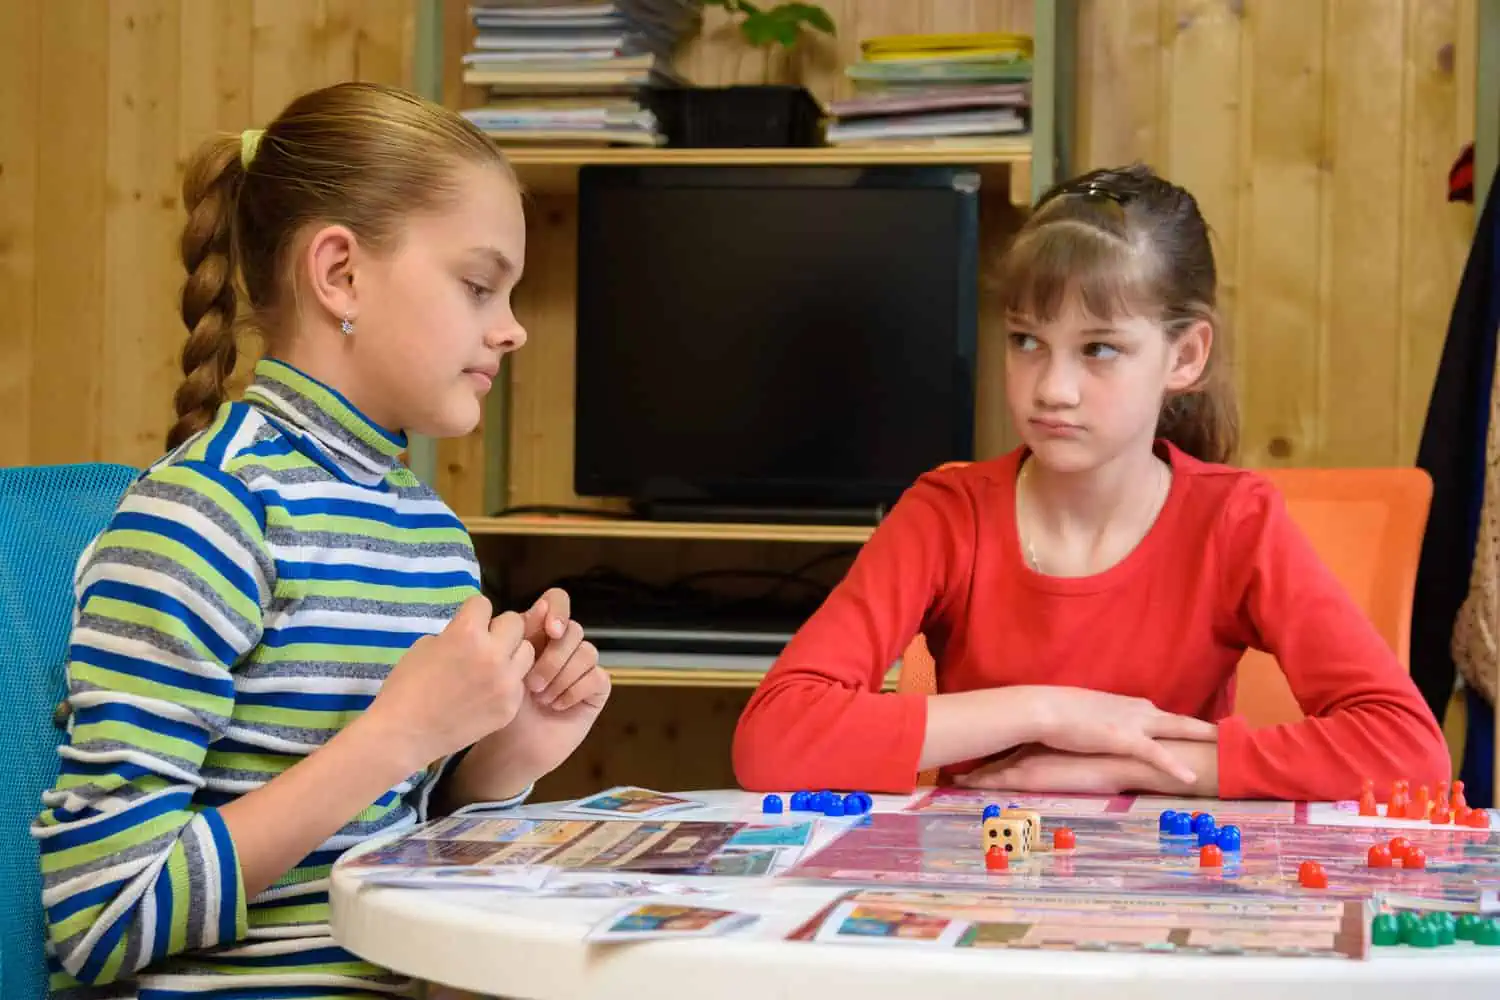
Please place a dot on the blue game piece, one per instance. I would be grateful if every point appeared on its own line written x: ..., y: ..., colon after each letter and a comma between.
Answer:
x: 833, y: 806
x: 1202, y: 820
x: 990, y: 812
x: 1164, y: 824
x: 771, y: 804
x: 857, y: 804
x: 1229, y: 838
x: 1182, y: 825
x: 1207, y: 835
x: 799, y: 802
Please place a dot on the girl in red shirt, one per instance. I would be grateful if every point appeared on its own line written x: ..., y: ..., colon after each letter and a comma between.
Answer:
x: 1088, y: 596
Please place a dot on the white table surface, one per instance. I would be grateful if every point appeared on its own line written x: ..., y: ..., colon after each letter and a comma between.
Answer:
x: 524, y: 947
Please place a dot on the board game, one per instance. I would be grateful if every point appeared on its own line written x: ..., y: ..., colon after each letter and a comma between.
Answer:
x: 1121, y: 849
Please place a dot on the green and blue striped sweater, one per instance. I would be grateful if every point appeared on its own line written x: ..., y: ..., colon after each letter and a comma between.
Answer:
x: 245, y: 603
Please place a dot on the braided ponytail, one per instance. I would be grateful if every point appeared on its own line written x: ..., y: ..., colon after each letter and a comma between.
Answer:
x: 210, y: 191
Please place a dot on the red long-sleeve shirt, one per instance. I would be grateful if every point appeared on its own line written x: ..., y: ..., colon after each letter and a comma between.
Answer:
x: 1222, y: 569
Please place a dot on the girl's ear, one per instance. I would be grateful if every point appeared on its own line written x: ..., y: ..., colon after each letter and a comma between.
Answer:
x: 1189, y: 356
x: 331, y: 254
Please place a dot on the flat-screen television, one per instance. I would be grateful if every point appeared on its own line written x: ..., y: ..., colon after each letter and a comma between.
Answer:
x: 777, y: 342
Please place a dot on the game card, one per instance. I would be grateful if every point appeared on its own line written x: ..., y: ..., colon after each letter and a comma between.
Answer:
x: 668, y: 920
x: 525, y: 880
x: 632, y: 802
x: 859, y: 923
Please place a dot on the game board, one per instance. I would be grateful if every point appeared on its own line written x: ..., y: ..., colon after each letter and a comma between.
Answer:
x: 592, y: 844
x: 1206, y: 925
x: 1119, y: 849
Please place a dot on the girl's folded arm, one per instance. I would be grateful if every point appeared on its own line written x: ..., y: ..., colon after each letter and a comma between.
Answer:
x: 820, y: 718
x: 1364, y: 717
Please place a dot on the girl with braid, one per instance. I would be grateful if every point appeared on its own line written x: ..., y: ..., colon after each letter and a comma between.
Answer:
x: 279, y: 648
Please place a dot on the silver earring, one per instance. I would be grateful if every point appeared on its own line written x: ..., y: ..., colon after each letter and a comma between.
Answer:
x: 346, y: 326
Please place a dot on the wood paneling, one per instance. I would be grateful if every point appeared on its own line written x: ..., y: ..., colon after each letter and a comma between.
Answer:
x: 100, y: 106
x: 1317, y: 136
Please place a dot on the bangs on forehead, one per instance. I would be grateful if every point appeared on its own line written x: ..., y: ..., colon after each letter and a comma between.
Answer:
x: 1069, y: 263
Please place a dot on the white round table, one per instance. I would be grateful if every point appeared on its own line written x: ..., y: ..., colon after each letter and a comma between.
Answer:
x: 504, y: 945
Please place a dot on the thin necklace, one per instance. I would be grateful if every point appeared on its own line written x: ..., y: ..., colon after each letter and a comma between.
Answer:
x: 1036, y: 565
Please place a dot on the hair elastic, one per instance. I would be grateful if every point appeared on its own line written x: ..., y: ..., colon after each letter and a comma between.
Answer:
x: 249, y: 143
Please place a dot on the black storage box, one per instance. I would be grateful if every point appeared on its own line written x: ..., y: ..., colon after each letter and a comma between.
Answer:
x: 736, y: 117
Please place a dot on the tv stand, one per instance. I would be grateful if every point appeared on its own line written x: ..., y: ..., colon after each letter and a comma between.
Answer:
x: 668, y: 510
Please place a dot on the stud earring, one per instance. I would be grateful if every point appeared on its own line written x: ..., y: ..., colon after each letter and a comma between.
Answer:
x: 346, y: 326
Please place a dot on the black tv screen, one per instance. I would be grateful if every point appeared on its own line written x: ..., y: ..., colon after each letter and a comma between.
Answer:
x: 773, y: 336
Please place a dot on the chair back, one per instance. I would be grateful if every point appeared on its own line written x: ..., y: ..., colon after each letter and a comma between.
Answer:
x: 1365, y: 524
x: 48, y: 514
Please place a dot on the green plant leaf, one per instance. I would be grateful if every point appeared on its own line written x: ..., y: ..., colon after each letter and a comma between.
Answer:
x: 810, y: 14
x: 762, y: 29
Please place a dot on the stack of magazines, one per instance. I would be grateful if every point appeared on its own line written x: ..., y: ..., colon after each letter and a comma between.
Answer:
x: 936, y: 89
x: 574, y: 71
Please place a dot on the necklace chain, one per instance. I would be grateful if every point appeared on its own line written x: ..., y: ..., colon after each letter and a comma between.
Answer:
x: 1026, y: 542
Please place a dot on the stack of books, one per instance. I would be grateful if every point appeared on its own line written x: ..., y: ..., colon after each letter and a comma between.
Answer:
x: 574, y: 71
x: 936, y: 89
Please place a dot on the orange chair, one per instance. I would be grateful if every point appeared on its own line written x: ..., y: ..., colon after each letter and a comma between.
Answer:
x: 1366, y: 524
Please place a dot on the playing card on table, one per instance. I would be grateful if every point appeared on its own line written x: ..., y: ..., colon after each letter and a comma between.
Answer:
x: 630, y: 802
x: 668, y: 920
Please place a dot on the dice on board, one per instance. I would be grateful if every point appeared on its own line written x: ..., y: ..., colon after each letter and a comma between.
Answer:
x: 1012, y: 834
x: 1031, y: 818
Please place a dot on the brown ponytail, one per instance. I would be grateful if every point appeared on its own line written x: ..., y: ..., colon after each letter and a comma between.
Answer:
x: 210, y: 190
x: 1124, y: 241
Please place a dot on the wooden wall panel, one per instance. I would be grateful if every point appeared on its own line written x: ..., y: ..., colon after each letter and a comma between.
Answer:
x: 102, y: 104
x: 1317, y: 135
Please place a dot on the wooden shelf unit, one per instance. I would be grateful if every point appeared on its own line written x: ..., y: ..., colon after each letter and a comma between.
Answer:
x: 534, y: 526
x: 669, y: 724
x: 1001, y: 164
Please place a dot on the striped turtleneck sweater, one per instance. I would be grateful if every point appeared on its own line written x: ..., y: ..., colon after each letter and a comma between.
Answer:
x: 246, y: 601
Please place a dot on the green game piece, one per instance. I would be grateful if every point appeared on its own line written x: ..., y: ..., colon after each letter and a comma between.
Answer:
x: 1407, y: 921
x: 1489, y: 932
x: 1384, y: 930
x: 1444, y: 925
x: 1468, y: 926
x: 1422, y: 935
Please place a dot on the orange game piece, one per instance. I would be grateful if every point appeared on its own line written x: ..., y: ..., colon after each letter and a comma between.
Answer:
x: 1479, y: 819
x: 1312, y: 875
x: 1462, y: 816
x: 1063, y: 839
x: 1367, y: 804
x: 1420, y: 806
x: 1380, y: 856
x: 1210, y: 856
x: 1414, y: 858
x: 995, y: 859
x: 1399, y: 847
x: 1456, y: 801
x: 1440, y: 813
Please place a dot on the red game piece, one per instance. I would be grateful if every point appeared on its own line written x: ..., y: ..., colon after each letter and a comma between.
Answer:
x: 1063, y: 839
x: 1457, y: 803
x: 1414, y: 858
x: 1367, y: 804
x: 1210, y: 856
x: 1462, y: 816
x: 1380, y: 856
x: 1421, y: 805
x: 1479, y: 819
x: 1399, y: 847
x: 1312, y: 875
x: 1440, y: 813
x: 995, y: 859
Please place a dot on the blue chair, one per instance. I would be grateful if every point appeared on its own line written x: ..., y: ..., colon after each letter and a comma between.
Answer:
x: 48, y: 514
